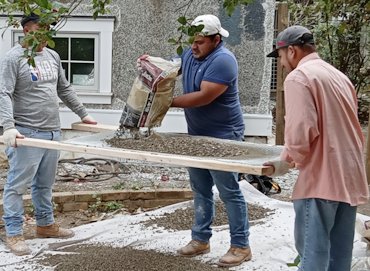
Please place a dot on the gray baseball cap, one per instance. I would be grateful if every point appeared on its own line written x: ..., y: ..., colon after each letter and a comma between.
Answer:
x: 293, y: 35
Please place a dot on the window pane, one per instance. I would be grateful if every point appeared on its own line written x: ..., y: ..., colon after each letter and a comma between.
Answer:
x: 61, y: 46
x: 65, y: 67
x: 20, y: 39
x: 82, y: 49
x: 82, y: 74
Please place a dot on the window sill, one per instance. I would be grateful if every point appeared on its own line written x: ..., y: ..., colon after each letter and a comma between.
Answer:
x: 94, y: 98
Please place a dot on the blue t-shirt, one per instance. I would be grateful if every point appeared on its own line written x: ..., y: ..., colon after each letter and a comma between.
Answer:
x: 223, y: 117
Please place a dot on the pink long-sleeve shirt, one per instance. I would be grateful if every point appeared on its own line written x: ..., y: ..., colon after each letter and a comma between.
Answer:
x: 323, y: 135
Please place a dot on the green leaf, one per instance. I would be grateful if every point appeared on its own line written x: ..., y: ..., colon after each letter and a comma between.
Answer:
x: 296, y: 262
x: 191, y: 40
x: 63, y: 10
x: 246, y: 2
x: 199, y: 28
x: 37, y: 11
x: 230, y: 5
x: 191, y: 31
x: 172, y: 40
x: 42, y: 3
x: 95, y: 14
x: 31, y: 61
x: 179, y: 50
x: 182, y: 20
x: 51, y: 43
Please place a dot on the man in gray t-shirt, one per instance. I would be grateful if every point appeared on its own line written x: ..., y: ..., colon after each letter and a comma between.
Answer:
x: 30, y: 108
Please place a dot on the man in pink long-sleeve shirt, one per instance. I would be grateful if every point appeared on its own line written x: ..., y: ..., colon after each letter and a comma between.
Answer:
x: 323, y: 139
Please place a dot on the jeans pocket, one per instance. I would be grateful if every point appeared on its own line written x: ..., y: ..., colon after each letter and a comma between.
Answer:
x: 27, y: 132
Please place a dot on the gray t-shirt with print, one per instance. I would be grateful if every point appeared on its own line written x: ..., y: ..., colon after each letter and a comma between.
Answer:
x: 29, y: 95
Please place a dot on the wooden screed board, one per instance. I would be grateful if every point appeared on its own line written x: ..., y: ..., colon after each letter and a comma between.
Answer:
x: 241, y: 166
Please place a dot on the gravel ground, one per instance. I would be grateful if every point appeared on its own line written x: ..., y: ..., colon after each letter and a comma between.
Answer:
x: 73, y: 175
x: 100, y: 258
x: 179, y: 144
x: 182, y: 219
x: 100, y: 174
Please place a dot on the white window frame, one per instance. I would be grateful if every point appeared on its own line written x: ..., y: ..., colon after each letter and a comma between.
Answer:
x: 102, y: 29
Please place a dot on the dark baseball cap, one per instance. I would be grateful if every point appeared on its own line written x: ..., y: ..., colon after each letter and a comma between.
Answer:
x: 32, y: 17
x: 293, y: 35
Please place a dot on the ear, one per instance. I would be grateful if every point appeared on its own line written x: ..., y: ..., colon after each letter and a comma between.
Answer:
x: 26, y: 28
x: 218, y: 39
x: 291, y: 50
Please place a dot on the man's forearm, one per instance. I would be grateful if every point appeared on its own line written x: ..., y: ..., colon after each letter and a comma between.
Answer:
x: 193, y: 99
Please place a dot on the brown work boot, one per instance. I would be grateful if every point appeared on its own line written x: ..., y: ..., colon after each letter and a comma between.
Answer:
x: 53, y: 231
x: 235, y: 256
x: 17, y: 245
x: 194, y: 248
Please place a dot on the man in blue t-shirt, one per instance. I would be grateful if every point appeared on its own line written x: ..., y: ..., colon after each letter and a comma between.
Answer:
x: 212, y: 108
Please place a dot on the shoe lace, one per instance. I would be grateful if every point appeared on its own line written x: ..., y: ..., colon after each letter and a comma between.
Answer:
x: 194, y: 243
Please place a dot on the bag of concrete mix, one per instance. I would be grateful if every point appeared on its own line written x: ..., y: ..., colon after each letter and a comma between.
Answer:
x: 151, y: 93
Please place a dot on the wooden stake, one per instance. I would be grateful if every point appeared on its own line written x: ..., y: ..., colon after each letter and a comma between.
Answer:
x: 367, y: 162
x: 282, y: 23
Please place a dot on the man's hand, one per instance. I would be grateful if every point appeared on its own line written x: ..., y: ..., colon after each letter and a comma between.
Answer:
x: 89, y: 120
x: 280, y: 167
x: 9, y: 137
x: 143, y: 57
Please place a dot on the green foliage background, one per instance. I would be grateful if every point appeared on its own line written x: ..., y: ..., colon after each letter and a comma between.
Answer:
x: 342, y: 33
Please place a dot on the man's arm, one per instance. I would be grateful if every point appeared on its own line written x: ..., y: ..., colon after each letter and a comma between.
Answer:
x: 8, y: 78
x: 64, y: 88
x: 68, y: 95
x: 301, y: 122
x: 208, y: 92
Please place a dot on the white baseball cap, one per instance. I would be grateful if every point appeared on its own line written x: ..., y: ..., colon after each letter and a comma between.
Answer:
x: 212, y: 25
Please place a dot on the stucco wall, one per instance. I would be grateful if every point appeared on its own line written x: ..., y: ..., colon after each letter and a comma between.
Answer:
x: 145, y: 26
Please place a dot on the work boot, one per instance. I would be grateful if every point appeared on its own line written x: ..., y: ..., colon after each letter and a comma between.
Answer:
x: 194, y: 248
x: 235, y: 256
x: 17, y: 245
x: 53, y: 231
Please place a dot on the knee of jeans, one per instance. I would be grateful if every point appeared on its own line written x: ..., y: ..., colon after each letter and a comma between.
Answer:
x: 234, y: 195
x: 19, y: 189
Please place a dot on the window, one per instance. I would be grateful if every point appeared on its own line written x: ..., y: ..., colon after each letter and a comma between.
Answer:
x: 85, y: 49
x: 79, y: 59
x: 274, y: 60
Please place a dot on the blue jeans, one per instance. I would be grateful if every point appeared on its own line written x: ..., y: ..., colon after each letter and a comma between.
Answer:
x: 324, y: 232
x: 30, y: 166
x: 202, y: 181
